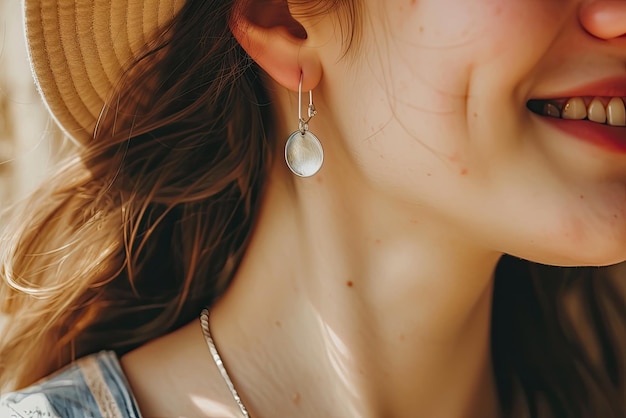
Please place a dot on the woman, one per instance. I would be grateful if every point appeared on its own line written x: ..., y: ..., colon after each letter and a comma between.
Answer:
x: 384, y: 275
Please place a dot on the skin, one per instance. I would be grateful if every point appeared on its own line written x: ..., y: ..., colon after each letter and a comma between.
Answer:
x: 366, y: 290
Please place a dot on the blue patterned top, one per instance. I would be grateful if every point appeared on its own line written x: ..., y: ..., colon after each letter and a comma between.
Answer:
x: 92, y: 387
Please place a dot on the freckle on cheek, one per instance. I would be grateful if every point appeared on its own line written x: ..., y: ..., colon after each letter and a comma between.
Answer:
x: 349, y: 283
x: 464, y: 172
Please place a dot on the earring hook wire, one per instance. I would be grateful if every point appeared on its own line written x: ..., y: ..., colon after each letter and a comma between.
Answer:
x: 303, y: 124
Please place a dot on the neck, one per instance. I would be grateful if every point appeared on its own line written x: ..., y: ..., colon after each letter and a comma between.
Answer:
x: 358, y: 308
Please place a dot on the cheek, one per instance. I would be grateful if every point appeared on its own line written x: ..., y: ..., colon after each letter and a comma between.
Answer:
x: 427, y: 54
x: 444, y: 63
x: 438, y: 67
x: 452, y: 36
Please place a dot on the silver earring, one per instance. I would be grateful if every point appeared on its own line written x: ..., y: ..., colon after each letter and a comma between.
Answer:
x: 303, y: 151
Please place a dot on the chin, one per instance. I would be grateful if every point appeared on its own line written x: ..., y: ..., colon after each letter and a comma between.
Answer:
x: 591, y: 254
x: 596, y: 244
x: 590, y: 238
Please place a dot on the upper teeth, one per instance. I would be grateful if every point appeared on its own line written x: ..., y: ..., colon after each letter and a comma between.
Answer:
x: 613, y: 114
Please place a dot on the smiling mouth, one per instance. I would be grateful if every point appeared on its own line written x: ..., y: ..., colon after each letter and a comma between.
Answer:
x: 609, y: 111
x: 600, y: 121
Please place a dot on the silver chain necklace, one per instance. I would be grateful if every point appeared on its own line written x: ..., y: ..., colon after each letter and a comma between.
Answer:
x: 206, y: 330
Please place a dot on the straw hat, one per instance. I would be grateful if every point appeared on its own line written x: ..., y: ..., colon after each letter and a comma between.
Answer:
x: 78, y: 49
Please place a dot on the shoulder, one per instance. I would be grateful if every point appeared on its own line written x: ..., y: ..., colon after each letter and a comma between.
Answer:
x: 93, y: 386
x: 175, y: 376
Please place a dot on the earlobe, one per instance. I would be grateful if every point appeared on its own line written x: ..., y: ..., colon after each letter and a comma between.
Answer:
x: 278, y: 46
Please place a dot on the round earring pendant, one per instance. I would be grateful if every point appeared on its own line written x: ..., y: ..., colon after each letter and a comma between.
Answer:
x: 304, y: 154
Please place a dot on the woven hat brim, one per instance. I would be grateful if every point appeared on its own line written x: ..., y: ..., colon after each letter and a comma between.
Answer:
x: 79, y: 48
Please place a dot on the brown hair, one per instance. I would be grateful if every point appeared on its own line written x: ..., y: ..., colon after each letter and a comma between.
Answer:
x: 149, y: 222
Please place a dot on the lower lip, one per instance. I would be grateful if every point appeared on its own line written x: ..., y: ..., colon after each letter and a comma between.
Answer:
x: 610, y: 138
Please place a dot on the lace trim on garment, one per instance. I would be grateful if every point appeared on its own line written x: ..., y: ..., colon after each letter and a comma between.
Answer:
x: 99, y: 388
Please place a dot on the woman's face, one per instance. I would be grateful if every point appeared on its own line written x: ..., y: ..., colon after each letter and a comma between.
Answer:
x: 434, y: 112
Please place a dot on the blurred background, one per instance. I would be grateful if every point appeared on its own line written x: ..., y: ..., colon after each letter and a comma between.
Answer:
x: 29, y: 140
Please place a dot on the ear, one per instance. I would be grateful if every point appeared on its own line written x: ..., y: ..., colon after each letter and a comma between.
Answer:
x: 276, y: 41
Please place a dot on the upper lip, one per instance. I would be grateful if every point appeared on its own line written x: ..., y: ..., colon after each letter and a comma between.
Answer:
x: 609, y: 87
